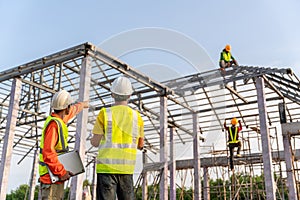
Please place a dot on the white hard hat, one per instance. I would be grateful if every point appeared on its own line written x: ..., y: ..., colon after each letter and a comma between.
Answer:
x: 61, y: 100
x: 121, y: 86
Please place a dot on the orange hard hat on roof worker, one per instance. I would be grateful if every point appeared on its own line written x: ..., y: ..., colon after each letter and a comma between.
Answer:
x: 227, y: 47
x: 234, y: 121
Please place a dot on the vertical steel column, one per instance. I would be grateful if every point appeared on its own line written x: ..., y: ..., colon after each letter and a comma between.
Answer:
x: 206, y: 189
x: 282, y: 114
x: 9, y: 135
x: 163, y: 185
x: 145, y: 181
x: 33, y: 173
x: 172, y: 166
x: 94, y: 186
x: 196, y: 148
x: 81, y: 126
x: 291, y: 183
x: 288, y: 156
x: 265, y: 137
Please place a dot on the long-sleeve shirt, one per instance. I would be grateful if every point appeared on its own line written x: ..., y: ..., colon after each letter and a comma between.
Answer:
x: 50, y: 141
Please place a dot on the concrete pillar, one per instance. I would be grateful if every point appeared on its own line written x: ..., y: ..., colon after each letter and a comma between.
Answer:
x: 81, y: 126
x: 196, y: 148
x: 8, y: 139
x: 265, y: 137
x: 163, y: 185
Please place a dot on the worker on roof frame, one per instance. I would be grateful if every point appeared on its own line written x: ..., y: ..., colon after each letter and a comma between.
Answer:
x: 226, y: 58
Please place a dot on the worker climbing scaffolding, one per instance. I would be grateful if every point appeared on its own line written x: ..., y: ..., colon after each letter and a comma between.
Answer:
x: 233, y: 139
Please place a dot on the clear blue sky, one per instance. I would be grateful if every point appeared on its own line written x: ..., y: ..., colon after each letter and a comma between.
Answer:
x: 261, y: 32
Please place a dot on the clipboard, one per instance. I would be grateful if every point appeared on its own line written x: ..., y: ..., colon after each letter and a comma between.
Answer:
x: 71, y: 161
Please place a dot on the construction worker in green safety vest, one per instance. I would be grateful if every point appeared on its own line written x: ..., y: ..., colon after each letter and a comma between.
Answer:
x: 233, y: 139
x: 118, y: 133
x: 226, y: 58
x: 54, y: 141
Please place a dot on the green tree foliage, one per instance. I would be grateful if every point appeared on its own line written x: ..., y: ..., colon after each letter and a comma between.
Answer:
x: 21, y: 192
x: 67, y: 190
x: 243, y: 186
x: 153, y: 193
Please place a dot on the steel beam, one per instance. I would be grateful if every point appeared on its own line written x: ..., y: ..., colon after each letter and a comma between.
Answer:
x: 131, y: 72
x: 33, y: 174
x: 145, y: 181
x: 81, y: 126
x: 94, y: 181
x: 196, y: 152
x: 7, y: 149
x: 206, y: 188
x: 163, y: 185
x: 287, y: 130
x: 265, y: 137
x: 233, y: 91
x: 172, y: 166
x: 222, y: 161
x: 43, y: 63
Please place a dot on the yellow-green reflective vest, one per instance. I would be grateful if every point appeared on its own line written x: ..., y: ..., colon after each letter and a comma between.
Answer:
x: 117, y: 157
x: 61, y: 146
x: 233, y: 137
x: 226, y: 56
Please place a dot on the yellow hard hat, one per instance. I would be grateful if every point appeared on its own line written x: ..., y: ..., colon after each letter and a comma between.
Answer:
x: 234, y: 121
x: 227, y: 47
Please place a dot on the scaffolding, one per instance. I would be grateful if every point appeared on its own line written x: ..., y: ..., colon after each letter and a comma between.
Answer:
x: 185, y: 142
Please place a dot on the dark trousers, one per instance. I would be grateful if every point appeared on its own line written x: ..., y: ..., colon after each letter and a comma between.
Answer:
x: 224, y: 64
x: 111, y: 185
x: 231, y: 150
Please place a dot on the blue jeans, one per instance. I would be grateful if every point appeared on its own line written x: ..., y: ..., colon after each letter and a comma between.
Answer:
x: 111, y: 185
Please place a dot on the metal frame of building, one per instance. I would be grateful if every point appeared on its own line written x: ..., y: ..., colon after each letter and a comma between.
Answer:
x: 176, y: 112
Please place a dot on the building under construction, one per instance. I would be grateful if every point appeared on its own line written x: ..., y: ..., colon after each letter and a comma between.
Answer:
x: 185, y: 141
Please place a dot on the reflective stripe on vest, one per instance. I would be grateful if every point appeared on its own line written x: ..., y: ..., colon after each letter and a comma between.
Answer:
x: 233, y: 137
x: 118, y: 157
x: 114, y: 161
x: 61, y: 146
